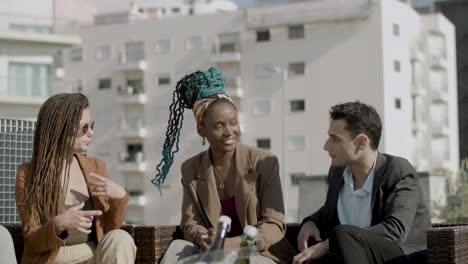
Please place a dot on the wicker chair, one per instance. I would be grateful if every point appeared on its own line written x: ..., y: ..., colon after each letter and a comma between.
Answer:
x: 447, y: 243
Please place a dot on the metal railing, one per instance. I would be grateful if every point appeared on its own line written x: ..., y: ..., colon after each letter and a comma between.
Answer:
x: 34, y: 87
x: 18, y: 22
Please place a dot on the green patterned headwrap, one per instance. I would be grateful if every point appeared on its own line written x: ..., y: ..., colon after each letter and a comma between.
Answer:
x: 188, y: 90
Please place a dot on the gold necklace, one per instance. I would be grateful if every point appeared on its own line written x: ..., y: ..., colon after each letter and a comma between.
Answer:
x: 216, y: 174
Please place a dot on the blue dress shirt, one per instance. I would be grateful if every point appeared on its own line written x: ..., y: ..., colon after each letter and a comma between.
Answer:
x: 354, y: 206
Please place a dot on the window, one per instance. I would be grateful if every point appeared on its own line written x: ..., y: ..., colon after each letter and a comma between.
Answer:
x: 30, y: 28
x: 135, y: 86
x: 297, y: 105
x: 436, y: 45
x: 162, y: 46
x: 296, y: 143
x: 264, y: 143
x: 194, y: 43
x: 396, y: 30
x: 438, y: 80
x: 175, y: 10
x: 134, y: 153
x: 76, y: 54
x: 263, y: 35
x: 296, y: 69
x: 296, y: 32
x: 104, y: 83
x: 164, y: 80
x: 103, y: 52
x: 134, y: 52
x: 29, y: 79
x: 396, y: 66
x: 227, y: 47
x: 229, y: 42
x: 262, y: 107
x: 397, y: 103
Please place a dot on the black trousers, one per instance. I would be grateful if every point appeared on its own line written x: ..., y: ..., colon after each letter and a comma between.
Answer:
x: 354, y: 245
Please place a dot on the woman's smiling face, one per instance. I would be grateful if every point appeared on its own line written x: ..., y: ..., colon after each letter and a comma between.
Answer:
x: 220, y: 126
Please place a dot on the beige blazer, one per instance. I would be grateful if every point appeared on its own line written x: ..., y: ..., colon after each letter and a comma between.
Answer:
x: 259, y: 199
x: 41, y: 244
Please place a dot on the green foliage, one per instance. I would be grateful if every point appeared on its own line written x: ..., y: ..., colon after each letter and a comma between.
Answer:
x: 456, y: 210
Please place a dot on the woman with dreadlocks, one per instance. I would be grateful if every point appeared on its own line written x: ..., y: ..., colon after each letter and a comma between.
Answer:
x: 70, y: 210
x: 229, y: 178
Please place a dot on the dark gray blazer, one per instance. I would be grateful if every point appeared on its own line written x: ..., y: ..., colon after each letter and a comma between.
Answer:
x: 398, y: 210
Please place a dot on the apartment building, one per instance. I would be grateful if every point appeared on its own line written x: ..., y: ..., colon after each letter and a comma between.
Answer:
x: 32, y: 35
x: 285, y: 65
x: 457, y: 12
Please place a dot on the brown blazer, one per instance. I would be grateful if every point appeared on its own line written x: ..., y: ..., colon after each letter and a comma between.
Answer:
x: 41, y: 244
x: 259, y: 200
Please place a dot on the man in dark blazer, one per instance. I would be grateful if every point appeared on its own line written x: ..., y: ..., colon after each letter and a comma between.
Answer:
x: 374, y: 210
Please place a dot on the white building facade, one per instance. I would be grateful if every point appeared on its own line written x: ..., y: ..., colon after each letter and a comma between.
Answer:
x: 32, y: 34
x: 286, y: 65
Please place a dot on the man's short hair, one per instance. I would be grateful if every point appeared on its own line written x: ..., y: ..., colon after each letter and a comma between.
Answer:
x: 360, y: 118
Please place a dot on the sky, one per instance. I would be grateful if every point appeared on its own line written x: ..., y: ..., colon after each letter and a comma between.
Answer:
x: 118, y: 5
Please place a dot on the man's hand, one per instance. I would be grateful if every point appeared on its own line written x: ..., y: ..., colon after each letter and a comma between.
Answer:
x: 308, y: 230
x: 312, y: 254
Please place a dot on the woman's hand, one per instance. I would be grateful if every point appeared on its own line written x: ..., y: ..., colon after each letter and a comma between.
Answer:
x: 75, y: 219
x: 207, y: 239
x: 105, y: 187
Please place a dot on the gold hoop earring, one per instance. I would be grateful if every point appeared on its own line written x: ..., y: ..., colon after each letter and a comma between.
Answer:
x: 203, y: 141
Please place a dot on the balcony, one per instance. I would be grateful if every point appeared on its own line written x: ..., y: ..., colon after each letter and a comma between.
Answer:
x: 418, y: 90
x: 439, y: 96
x: 131, y: 162
x: 440, y: 131
x: 31, y: 91
x: 132, y: 129
x: 134, y: 93
x: 233, y: 86
x: 132, y: 66
x: 234, y: 92
x: 137, y: 201
x: 417, y: 54
x: 319, y: 12
x: 223, y: 57
x: 132, y: 99
x: 39, y: 29
x: 438, y: 62
x: 440, y: 164
x: 419, y: 126
x: 132, y: 57
x: 421, y: 163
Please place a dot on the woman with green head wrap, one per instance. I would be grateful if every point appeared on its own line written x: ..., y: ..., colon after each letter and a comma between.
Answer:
x: 228, y: 178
